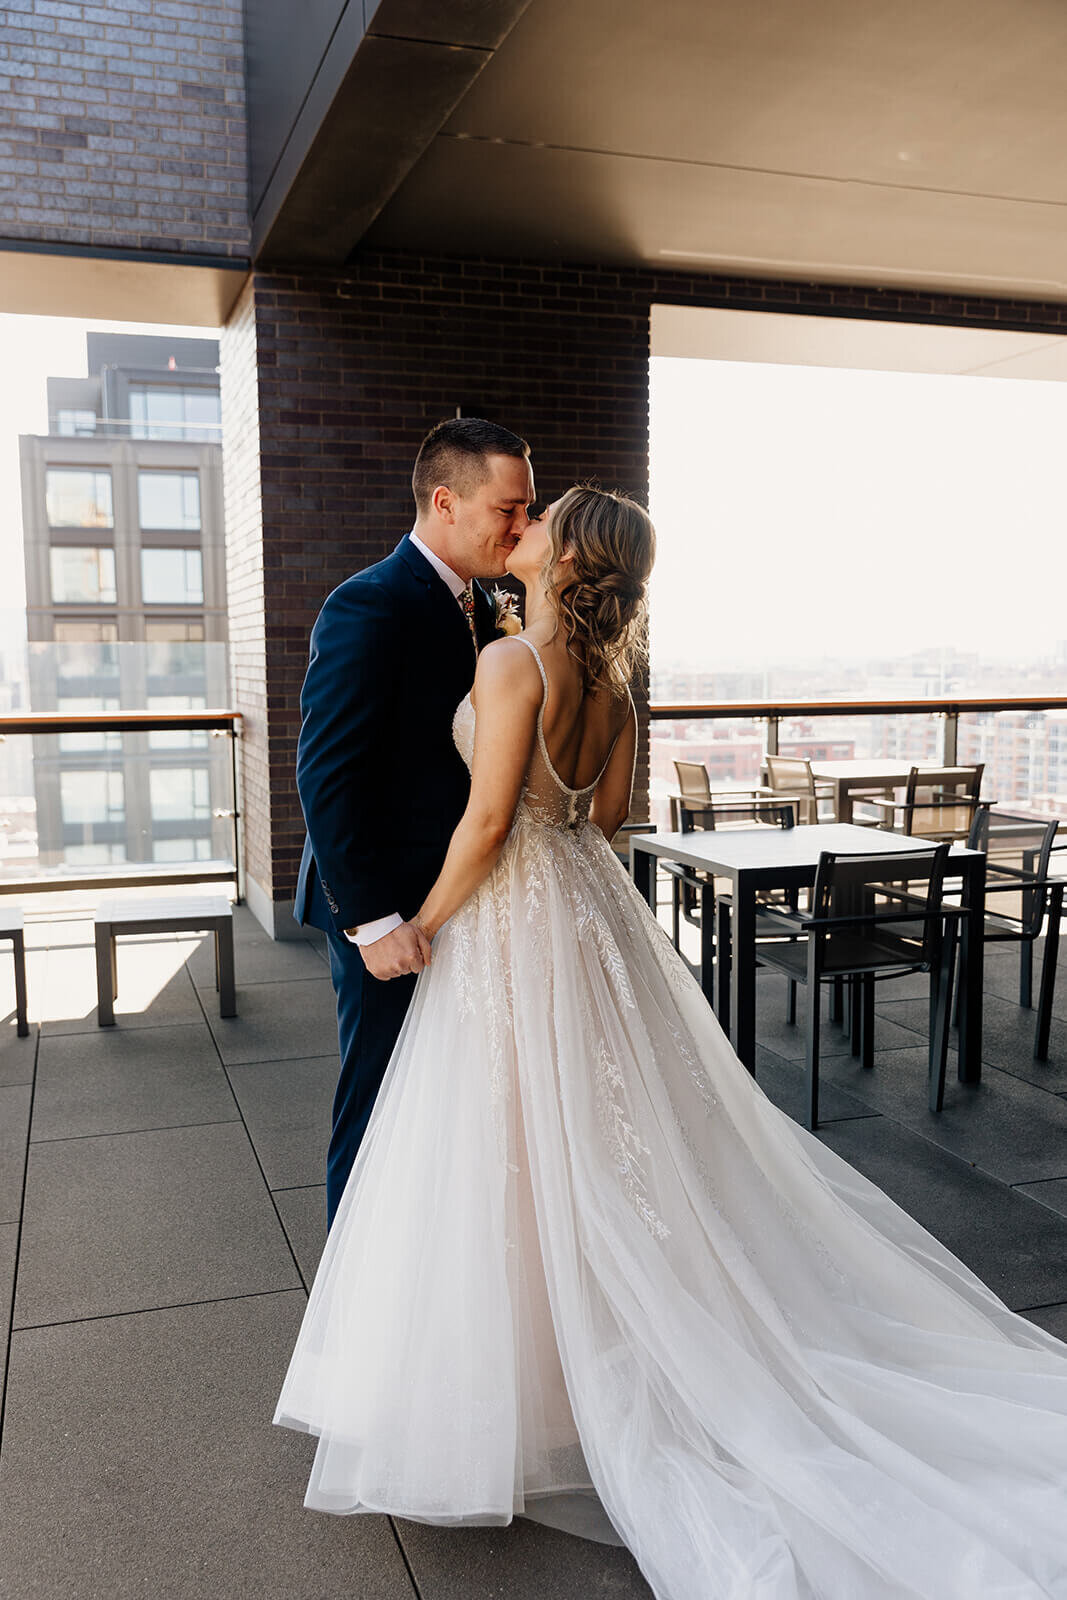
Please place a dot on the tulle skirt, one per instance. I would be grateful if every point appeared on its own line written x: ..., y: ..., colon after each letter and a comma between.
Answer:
x: 584, y: 1270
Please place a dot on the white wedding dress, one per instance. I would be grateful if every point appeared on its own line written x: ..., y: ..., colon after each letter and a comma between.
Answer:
x: 584, y: 1266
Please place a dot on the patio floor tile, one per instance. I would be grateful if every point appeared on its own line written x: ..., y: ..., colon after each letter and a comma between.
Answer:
x: 287, y: 1107
x: 278, y: 1022
x: 303, y: 1214
x: 138, y: 1220
x: 140, y: 1460
x: 1008, y: 1128
x: 108, y: 1082
x: 14, y: 1119
x: 154, y: 988
x: 1017, y: 1248
x: 522, y: 1562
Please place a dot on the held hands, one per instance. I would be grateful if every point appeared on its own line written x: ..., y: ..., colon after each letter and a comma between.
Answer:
x: 405, y: 949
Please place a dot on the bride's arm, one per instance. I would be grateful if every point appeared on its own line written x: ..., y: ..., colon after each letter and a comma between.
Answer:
x: 507, y: 687
x: 611, y: 798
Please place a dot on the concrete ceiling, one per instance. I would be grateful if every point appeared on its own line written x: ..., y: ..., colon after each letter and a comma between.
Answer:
x: 902, y: 143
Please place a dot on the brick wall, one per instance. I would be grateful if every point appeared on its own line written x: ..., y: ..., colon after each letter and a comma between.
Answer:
x: 352, y: 371
x: 122, y: 125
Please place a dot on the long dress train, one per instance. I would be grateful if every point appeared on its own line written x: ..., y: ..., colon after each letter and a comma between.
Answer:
x: 584, y: 1270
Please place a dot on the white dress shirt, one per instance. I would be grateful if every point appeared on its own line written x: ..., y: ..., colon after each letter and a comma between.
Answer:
x: 371, y: 932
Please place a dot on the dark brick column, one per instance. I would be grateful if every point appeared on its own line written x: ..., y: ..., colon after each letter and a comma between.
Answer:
x: 331, y: 380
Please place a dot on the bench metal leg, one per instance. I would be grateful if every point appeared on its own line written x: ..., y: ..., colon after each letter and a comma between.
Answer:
x: 224, y: 968
x: 18, y: 944
x: 106, y: 976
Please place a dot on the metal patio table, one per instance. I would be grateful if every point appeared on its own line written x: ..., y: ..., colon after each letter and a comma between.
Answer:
x: 850, y: 777
x: 758, y: 859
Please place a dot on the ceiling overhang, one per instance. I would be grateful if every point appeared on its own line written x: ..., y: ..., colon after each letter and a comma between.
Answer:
x: 893, y: 146
x: 390, y: 76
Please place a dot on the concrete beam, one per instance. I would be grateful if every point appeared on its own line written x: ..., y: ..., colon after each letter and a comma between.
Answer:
x: 387, y: 83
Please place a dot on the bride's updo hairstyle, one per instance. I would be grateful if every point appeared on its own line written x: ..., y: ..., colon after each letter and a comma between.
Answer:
x: 600, y: 594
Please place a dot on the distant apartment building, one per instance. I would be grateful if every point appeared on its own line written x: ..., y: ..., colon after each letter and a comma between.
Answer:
x: 126, y: 601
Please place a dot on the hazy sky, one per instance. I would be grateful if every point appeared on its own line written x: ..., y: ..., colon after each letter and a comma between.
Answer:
x: 804, y: 511
x: 801, y: 511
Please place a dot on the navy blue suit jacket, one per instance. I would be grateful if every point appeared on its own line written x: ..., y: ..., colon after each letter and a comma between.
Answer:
x: 380, y: 781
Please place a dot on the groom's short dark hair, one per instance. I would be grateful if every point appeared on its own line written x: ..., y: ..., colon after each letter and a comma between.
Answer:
x: 457, y: 452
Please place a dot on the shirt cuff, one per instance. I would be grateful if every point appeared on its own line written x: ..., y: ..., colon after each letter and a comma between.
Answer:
x: 371, y: 932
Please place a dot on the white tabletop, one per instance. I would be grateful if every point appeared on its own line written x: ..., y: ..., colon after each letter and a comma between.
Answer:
x: 745, y: 849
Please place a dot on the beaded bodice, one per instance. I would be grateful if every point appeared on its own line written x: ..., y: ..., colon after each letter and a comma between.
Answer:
x: 545, y: 798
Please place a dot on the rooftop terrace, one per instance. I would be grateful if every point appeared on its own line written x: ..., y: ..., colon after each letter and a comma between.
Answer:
x: 161, y: 1215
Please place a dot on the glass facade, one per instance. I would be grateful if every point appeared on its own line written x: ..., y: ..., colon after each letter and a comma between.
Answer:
x: 172, y: 577
x: 76, y: 424
x: 83, y: 575
x: 172, y: 413
x: 169, y: 501
x: 79, y: 497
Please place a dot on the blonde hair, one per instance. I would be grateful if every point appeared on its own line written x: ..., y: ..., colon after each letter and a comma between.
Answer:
x: 600, y: 594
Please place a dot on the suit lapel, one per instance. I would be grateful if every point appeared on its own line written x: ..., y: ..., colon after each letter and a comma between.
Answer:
x: 444, y: 604
x: 484, y: 617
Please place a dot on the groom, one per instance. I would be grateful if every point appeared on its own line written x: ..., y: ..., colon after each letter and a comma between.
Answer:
x: 381, y: 784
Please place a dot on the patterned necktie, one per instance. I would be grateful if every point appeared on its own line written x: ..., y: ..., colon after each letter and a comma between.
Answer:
x: 466, y: 600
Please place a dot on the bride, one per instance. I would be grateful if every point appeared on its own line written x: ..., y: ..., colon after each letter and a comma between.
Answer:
x: 584, y: 1271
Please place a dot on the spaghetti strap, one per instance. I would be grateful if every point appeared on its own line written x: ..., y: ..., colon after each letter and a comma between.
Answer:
x: 540, y: 665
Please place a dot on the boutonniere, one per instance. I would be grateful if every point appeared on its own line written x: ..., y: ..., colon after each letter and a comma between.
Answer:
x: 506, y: 617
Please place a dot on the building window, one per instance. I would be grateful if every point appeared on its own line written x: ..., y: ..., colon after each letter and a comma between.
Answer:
x: 172, y: 413
x: 172, y: 577
x: 177, y: 738
x: 181, y: 849
x: 82, y: 574
x: 174, y: 630
x: 92, y: 796
x: 94, y: 740
x: 76, y: 424
x: 179, y: 794
x: 85, y: 648
x: 93, y: 855
x: 169, y: 500
x: 78, y: 497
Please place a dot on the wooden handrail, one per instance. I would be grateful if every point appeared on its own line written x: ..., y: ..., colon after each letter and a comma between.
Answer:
x: 116, y: 721
x: 662, y: 710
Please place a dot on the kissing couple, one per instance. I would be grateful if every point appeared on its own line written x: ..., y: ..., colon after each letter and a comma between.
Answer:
x: 579, y: 1268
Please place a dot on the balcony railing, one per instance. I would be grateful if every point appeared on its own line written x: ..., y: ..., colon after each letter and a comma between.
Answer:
x: 1024, y: 749
x: 93, y: 800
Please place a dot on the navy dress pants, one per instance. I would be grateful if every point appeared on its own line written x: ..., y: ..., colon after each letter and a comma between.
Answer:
x: 369, y: 1017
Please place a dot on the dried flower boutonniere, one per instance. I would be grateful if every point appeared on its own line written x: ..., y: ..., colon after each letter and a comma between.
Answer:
x: 506, y: 617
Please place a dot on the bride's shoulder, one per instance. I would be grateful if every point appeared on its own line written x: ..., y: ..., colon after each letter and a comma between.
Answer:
x: 508, y: 668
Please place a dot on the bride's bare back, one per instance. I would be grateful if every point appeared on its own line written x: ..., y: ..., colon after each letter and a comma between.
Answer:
x: 580, y: 726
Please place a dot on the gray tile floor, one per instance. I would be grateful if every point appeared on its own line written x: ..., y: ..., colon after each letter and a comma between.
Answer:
x: 162, y: 1214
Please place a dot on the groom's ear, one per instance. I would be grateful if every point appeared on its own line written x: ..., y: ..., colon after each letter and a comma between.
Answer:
x: 444, y: 503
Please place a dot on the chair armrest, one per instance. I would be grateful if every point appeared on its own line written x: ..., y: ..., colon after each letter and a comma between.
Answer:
x: 830, y: 923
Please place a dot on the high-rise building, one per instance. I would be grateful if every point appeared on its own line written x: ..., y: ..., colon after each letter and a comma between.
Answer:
x: 126, y: 601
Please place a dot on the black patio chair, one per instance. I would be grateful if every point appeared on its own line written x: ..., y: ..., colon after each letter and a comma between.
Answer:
x: 856, y: 927
x: 726, y: 810
x: 1018, y: 849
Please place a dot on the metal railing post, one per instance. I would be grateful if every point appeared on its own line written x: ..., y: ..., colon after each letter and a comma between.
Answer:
x: 772, y: 736
x: 950, y: 739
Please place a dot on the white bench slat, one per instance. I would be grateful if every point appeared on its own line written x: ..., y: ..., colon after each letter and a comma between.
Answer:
x: 12, y: 920
x: 118, y: 909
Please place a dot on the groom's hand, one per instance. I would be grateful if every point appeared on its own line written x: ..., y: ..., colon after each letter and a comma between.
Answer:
x: 406, y: 949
